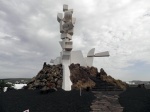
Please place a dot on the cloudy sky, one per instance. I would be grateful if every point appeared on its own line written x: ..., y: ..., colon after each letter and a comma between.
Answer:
x: 29, y: 35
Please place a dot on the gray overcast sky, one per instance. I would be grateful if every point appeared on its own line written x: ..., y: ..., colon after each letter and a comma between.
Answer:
x: 29, y: 35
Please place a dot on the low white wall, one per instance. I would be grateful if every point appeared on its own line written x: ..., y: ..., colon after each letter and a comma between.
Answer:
x: 19, y: 86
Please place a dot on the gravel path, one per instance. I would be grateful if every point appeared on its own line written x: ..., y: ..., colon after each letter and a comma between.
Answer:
x: 106, y: 102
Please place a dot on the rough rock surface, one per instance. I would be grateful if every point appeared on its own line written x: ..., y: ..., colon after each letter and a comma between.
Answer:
x: 102, y: 72
x: 93, y: 71
x: 80, y: 77
x: 50, y: 77
x: 111, y: 80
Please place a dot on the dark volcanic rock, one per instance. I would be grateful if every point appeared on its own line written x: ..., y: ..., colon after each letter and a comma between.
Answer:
x: 102, y: 72
x: 80, y: 77
x: 93, y: 71
x: 46, y: 89
x: 112, y: 81
x: 50, y: 77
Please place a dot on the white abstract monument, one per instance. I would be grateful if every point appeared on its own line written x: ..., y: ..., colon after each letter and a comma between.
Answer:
x: 67, y: 56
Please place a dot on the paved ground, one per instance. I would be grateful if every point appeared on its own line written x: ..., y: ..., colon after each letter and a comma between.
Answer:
x: 106, y: 102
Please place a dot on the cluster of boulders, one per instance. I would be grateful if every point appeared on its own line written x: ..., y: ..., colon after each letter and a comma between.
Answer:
x: 103, y: 76
x: 111, y: 80
x: 80, y: 77
x: 51, y: 76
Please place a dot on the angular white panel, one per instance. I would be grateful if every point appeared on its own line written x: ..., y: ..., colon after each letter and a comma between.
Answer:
x: 66, y: 35
x: 61, y: 44
x: 67, y: 16
x: 67, y: 26
x: 102, y: 54
x: 71, y: 10
x: 65, y: 55
x: 65, y: 7
x: 68, y: 46
x: 52, y: 61
x: 61, y: 27
x: 91, y: 53
x: 59, y: 17
x: 73, y: 20
x: 57, y: 61
x: 71, y: 32
x: 61, y: 57
x: 77, y: 57
x: 89, y: 61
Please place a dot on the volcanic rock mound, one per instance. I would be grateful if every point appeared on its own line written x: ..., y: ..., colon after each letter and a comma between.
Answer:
x: 48, y: 78
x: 51, y: 76
x: 80, y: 77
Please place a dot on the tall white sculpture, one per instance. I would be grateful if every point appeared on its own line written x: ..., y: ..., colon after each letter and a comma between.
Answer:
x: 67, y: 56
x: 66, y: 29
